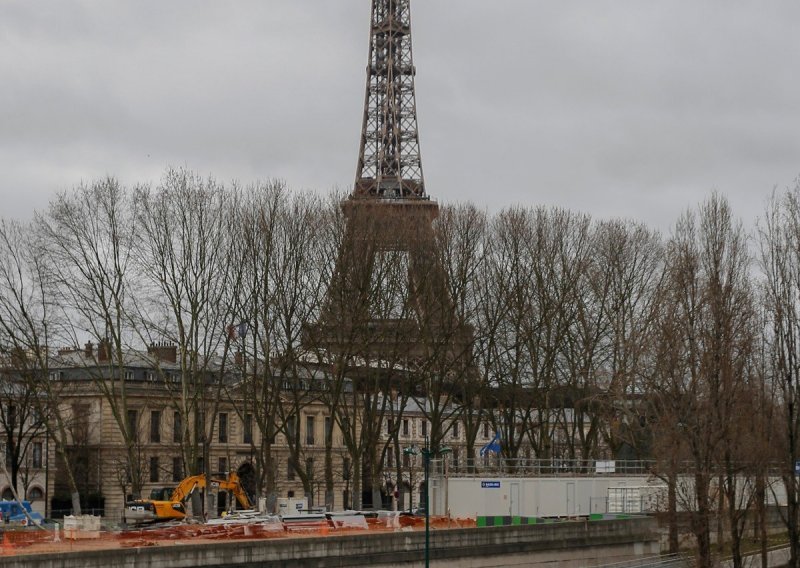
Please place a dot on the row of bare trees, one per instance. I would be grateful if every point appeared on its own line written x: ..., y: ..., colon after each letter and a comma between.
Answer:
x: 587, y: 339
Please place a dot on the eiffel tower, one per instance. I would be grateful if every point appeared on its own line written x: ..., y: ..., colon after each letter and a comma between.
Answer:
x: 389, y: 220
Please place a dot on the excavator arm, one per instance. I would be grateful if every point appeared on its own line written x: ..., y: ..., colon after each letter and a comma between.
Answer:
x: 233, y: 485
x: 187, y: 487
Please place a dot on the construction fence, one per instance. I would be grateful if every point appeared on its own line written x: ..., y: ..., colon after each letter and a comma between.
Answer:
x: 83, y: 537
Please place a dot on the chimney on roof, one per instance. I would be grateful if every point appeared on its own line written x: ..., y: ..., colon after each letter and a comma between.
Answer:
x: 104, y: 350
x: 88, y: 350
x: 68, y: 350
x: 165, y: 352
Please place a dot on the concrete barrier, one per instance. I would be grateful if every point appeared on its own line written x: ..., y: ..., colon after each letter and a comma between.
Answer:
x: 569, y: 544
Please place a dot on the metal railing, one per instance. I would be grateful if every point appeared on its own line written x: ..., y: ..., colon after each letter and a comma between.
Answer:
x: 660, y: 561
x: 525, y: 467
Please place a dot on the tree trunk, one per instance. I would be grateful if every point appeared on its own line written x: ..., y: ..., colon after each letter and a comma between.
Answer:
x: 356, y: 492
x: 761, y: 515
x: 672, y: 512
x: 791, y: 521
x: 701, y: 525
x: 329, y: 484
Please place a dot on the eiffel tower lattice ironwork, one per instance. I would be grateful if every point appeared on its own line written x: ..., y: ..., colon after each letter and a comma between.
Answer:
x: 389, y: 163
x: 389, y: 218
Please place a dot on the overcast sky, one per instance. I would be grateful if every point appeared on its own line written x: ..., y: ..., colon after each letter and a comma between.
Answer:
x: 619, y: 109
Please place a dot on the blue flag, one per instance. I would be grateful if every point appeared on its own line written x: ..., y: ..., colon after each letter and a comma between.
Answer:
x: 493, y: 446
x: 237, y: 331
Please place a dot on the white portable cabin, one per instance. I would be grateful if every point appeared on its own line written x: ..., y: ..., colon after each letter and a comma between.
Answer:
x: 560, y: 496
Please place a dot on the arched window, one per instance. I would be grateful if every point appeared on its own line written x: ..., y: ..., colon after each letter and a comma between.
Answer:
x: 35, y: 494
x: 7, y: 494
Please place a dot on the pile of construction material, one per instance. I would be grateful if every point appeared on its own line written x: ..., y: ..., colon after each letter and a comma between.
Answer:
x: 81, y: 527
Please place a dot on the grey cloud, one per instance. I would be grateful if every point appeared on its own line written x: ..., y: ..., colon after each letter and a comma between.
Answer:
x: 614, y: 108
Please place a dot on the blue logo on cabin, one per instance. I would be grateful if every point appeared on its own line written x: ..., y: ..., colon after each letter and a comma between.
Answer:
x: 490, y: 485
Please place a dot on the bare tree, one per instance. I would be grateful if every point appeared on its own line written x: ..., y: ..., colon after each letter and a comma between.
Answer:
x: 779, y: 234
x: 630, y: 257
x: 259, y: 391
x: 27, y: 326
x: 706, y: 336
x: 184, y: 247
x: 21, y: 423
x: 461, y: 233
x: 88, y: 235
x: 298, y: 290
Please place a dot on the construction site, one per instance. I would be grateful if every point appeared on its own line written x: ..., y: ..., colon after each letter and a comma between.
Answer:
x: 348, y: 539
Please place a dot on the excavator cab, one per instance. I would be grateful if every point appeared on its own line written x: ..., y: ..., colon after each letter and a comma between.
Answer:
x: 161, y: 493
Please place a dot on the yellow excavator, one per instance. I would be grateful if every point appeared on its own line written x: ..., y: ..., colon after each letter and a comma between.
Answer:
x: 158, y: 508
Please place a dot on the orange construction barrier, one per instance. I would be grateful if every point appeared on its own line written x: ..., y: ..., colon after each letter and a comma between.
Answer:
x: 8, y: 547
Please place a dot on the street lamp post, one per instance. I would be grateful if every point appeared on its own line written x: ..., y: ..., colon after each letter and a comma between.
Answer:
x: 426, y: 459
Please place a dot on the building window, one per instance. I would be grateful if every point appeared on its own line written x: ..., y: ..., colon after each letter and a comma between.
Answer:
x: 35, y: 494
x: 177, y: 469
x: 154, y: 469
x: 155, y: 426
x: 389, y: 426
x: 177, y: 427
x: 248, y: 429
x: 405, y: 427
x: 128, y: 376
x: 455, y: 430
x: 309, y: 430
x: 290, y: 470
x: 389, y: 460
x: 223, y: 427
x: 291, y: 427
x: 346, y: 469
x: 406, y: 460
x: 37, y: 455
x: 133, y: 424
x: 223, y: 466
x: 80, y: 423
x: 310, y: 468
x: 424, y: 428
x: 455, y: 458
x: 328, y: 430
x: 485, y: 430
